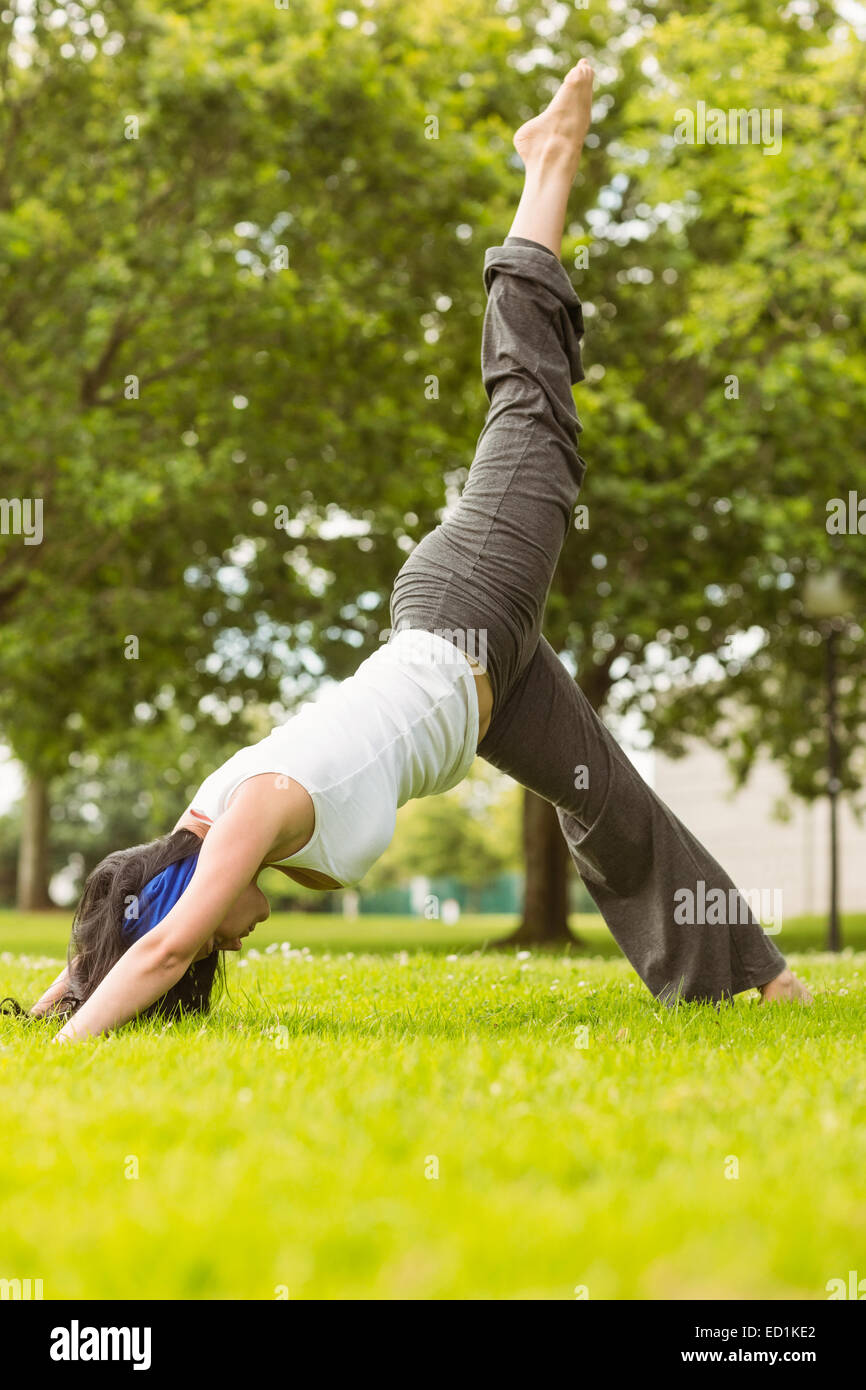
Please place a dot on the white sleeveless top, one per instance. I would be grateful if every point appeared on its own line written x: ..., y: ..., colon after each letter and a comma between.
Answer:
x: 404, y: 726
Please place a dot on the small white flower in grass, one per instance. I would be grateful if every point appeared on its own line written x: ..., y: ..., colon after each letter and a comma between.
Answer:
x: 285, y: 946
x: 29, y: 962
x: 274, y: 946
x: 344, y: 977
x: 495, y: 1088
x: 450, y: 957
x: 403, y: 958
x: 843, y: 991
x: 245, y: 1096
x: 449, y: 977
x: 243, y: 964
x: 523, y: 955
x: 350, y: 955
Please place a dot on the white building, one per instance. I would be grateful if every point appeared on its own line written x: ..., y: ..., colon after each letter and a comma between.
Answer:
x: 743, y: 831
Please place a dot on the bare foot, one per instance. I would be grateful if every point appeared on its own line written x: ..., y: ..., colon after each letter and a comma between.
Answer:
x: 785, y: 989
x: 558, y: 134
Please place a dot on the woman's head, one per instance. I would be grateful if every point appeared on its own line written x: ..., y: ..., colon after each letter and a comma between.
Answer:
x: 107, y: 922
x: 249, y: 908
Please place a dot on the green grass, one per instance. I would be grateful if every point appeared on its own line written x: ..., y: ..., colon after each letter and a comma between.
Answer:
x: 582, y: 1132
x: 47, y: 933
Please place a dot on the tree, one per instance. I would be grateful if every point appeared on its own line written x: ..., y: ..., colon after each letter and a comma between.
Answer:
x: 794, y: 434
x: 189, y: 388
x: 376, y: 167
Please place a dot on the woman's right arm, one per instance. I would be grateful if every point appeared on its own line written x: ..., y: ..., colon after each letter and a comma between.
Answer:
x: 55, y: 991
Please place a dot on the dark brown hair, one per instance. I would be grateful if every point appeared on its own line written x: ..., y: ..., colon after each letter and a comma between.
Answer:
x: 97, y: 941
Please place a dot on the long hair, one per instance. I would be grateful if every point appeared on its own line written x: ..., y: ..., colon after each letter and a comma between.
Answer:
x: 97, y: 941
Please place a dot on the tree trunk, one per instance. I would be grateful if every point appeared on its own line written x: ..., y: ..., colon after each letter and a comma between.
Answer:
x: 545, y: 901
x: 33, y: 851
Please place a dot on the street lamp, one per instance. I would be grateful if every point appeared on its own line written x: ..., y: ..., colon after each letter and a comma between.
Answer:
x: 826, y: 599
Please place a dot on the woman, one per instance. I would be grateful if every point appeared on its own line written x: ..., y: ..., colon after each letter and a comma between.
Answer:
x: 318, y: 797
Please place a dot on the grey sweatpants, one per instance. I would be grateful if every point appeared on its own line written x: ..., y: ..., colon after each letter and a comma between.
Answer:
x: 486, y: 572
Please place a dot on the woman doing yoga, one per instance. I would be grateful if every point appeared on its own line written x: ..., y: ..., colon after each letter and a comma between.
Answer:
x: 465, y: 670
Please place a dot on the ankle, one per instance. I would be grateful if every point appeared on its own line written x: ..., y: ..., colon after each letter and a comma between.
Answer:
x: 783, y: 978
x: 553, y: 159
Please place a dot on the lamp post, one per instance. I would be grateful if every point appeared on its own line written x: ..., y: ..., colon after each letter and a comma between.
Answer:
x: 827, y: 600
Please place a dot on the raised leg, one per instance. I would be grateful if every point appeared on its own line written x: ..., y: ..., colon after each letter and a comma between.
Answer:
x: 550, y: 146
x: 490, y: 564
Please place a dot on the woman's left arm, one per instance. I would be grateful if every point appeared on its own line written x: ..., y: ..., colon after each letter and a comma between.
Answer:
x: 230, y: 857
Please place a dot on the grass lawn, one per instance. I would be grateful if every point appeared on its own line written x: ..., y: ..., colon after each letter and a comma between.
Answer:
x: 357, y: 1119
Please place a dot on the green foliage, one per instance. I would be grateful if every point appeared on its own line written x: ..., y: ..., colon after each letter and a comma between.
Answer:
x: 708, y: 511
x: 471, y: 833
x: 243, y: 517
x: 158, y: 258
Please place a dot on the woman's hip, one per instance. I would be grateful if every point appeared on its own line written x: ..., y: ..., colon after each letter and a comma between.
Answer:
x: 430, y: 593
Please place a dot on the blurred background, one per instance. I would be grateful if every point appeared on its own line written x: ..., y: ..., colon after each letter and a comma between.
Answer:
x: 240, y: 317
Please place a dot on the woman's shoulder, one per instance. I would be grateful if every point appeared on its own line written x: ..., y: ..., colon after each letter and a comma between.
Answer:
x: 270, y: 798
